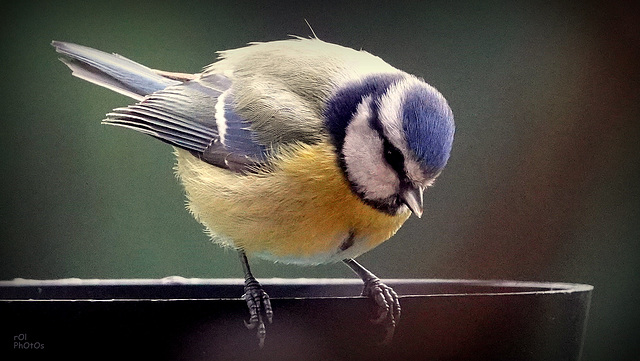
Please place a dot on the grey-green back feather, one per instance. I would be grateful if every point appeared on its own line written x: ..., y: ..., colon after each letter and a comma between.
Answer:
x: 281, y: 87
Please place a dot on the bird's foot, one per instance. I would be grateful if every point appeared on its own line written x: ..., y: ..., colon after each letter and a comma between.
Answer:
x: 388, y: 305
x: 258, y: 302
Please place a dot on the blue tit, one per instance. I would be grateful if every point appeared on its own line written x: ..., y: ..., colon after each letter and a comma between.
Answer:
x: 297, y: 151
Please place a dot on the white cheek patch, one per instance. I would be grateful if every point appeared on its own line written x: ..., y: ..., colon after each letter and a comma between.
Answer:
x: 363, y: 156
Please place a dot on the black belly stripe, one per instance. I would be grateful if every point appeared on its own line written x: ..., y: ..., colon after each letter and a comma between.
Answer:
x: 348, y: 242
x: 392, y: 155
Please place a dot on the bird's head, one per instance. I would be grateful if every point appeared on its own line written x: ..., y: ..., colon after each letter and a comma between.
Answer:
x: 393, y: 134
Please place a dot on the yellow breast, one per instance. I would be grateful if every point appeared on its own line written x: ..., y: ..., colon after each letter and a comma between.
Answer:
x: 299, y: 210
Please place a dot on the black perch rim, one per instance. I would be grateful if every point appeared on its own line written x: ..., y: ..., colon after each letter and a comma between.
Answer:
x: 314, y: 319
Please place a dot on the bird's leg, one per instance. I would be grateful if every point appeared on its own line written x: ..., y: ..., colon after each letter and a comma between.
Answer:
x: 257, y: 300
x: 385, y: 297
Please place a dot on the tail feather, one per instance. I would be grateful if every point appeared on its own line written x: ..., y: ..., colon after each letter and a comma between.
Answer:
x: 111, y: 71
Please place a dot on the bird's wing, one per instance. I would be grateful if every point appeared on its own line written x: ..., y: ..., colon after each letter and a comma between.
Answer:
x: 198, y: 116
x: 112, y: 71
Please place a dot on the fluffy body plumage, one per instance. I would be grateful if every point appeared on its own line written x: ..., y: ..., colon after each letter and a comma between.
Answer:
x: 295, y: 150
x: 298, y: 150
x: 298, y: 208
x: 306, y: 217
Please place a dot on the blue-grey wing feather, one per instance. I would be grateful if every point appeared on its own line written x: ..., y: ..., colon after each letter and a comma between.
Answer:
x: 198, y: 116
x: 111, y: 70
x: 238, y: 134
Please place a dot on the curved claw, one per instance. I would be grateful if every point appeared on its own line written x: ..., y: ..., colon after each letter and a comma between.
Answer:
x: 258, y: 303
x: 388, y: 305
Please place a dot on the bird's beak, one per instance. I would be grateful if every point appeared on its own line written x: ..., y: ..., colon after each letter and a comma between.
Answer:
x: 412, y: 197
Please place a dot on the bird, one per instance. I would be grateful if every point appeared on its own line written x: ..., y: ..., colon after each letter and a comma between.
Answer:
x: 298, y: 151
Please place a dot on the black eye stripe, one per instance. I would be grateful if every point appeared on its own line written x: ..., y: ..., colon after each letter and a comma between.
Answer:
x: 392, y: 154
x: 394, y: 157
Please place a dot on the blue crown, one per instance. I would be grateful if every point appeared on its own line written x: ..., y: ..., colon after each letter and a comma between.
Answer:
x: 427, y: 120
x: 428, y: 124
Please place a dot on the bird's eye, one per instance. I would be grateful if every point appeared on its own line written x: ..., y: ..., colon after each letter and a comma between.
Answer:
x: 394, y: 157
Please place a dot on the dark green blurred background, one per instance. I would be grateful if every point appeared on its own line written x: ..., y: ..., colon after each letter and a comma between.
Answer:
x: 543, y: 183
